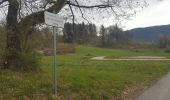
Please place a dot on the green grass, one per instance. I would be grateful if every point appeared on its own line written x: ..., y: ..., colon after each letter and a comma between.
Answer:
x: 20, y: 85
x: 120, y: 52
x: 80, y: 78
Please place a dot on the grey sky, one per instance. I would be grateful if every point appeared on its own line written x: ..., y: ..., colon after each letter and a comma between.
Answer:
x: 156, y: 14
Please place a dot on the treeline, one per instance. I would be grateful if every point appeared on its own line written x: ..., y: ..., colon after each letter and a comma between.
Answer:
x: 164, y: 41
x: 88, y: 34
x: 113, y: 36
x: 79, y: 33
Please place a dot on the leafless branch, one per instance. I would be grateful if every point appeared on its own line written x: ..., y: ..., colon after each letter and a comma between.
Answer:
x: 89, y: 7
x: 4, y: 5
x: 73, y: 17
x: 3, y: 1
x: 81, y: 12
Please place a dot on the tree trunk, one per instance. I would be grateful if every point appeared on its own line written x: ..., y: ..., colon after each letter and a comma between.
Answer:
x: 13, y: 42
x: 12, y: 59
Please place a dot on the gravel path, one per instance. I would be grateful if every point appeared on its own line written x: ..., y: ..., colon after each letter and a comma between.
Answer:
x: 137, y: 58
x: 159, y: 91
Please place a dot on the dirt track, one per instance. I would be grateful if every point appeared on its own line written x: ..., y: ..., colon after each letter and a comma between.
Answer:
x: 137, y: 58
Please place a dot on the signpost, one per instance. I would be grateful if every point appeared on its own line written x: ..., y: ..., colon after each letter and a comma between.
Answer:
x: 55, y: 21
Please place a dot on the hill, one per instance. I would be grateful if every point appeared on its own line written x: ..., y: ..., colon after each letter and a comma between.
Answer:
x: 149, y: 33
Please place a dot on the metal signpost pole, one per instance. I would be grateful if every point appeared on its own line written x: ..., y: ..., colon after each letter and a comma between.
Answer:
x: 55, y: 81
x: 54, y: 39
x: 56, y: 21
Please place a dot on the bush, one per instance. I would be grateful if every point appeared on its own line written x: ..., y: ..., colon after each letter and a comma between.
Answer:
x: 62, y: 48
x: 24, y: 61
x: 2, y: 43
x: 30, y: 61
x: 167, y: 49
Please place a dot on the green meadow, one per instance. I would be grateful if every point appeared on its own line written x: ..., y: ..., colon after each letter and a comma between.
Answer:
x: 80, y: 78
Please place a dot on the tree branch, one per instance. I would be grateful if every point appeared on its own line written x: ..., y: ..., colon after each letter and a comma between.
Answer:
x: 38, y: 17
x: 73, y: 18
x: 81, y: 12
x: 1, y: 2
x: 89, y: 7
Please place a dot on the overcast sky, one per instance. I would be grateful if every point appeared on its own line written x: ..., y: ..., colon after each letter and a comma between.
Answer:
x: 158, y: 13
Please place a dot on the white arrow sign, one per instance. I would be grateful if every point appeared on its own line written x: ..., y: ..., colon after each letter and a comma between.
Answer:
x: 54, y: 19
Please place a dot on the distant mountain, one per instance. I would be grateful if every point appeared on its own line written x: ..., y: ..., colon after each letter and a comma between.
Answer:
x: 149, y: 33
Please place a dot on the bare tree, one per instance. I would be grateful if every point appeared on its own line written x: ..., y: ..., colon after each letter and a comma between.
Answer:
x: 22, y: 15
x: 103, y: 35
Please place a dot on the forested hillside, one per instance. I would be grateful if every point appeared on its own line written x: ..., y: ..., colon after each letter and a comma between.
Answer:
x: 150, y: 33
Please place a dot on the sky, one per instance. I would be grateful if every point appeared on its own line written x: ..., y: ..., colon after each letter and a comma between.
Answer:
x: 157, y: 13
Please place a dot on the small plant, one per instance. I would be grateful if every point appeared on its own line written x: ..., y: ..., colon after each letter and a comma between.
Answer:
x: 167, y: 49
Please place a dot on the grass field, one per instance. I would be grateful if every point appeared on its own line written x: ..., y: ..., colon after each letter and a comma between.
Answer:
x: 80, y: 78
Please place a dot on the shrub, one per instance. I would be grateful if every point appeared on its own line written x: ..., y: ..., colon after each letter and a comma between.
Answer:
x: 167, y: 49
x: 30, y: 61
x: 62, y: 48
x: 2, y: 43
x: 24, y: 61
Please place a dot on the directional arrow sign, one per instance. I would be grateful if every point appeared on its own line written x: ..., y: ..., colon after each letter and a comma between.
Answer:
x: 54, y: 19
